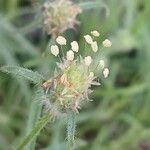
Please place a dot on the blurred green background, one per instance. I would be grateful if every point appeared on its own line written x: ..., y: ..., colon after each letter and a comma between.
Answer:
x: 119, y: 116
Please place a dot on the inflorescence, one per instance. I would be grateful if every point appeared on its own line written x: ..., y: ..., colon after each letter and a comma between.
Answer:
x: 60, y: 15
x: 71, y: 85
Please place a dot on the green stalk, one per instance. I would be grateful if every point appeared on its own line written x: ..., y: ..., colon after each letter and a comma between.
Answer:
x: 71, y: 127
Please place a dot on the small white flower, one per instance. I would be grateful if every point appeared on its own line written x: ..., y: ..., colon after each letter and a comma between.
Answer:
x: 61, y: 40
x: 95, y: 33
x: 75, y: 46
x: 94, y: 46
x: 88, y: 39
x: 107, y: 43
x: 87, y: 60
x: 54, y: 50
x: 91, y: 75
x: 102, y: 64
x: 70, y: 55
x: 106, y: 72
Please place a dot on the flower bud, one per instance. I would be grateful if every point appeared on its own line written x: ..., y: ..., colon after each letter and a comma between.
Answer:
x: 87, y: 60
x: 70, y: 55
x: 88, y: 39
x: 75, y: 46
x: 106, y: 43
x: 94, y: 46
x: 54, y: 50
x: 91, y: 75
x: 60, y: 15
x: 102, y: 64
x: 95, y: 33
x: 61, y: 40
x: 106, y: 72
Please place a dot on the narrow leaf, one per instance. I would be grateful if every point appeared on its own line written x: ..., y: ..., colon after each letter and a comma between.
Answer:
x: 34, y: 114
x: 35, y: 131
x: 35, y: 77
x: 18, y: 39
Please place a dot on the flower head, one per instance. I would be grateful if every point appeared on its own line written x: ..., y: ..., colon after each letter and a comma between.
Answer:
x: 59, y: 16
x: 72, y: 81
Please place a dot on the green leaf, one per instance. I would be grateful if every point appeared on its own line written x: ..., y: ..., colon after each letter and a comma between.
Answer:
x: 19, y: 40
x: 71, y: 128
x: 34, y: 113
x: 34, y: 77
x: 35, y: 131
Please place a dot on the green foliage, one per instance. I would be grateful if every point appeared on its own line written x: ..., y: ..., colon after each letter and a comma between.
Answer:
x: 34, y: 114
x: 71, y: 128
x: 36, y: 130
x: 17, y: 42
x: 25, y: 73
x: 118, y: 118
x: 91, y: 5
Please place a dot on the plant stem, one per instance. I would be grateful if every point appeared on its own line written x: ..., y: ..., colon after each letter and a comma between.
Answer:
x: 71, y: 126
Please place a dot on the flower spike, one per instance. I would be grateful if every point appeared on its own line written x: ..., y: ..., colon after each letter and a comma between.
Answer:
x: 74, y: 77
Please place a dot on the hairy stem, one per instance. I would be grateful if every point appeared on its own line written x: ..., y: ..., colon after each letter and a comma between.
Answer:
x: 71, y: 127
